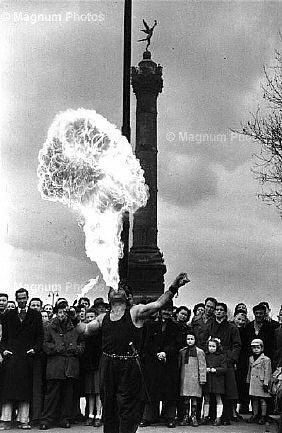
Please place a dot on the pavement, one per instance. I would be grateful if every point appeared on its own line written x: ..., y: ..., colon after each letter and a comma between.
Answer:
x: 240, y: 427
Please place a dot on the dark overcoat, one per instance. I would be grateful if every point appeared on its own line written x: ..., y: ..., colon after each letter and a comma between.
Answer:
x: 63, y: 347
x: 266, y: 334
x: 184, y: 329
x: 277, y: 349
x: 161, y: 377
x: 91, y: 356
x: 199, y: 327
x: 242, y: 368
x: 19, y: 337
x: 215, y: 381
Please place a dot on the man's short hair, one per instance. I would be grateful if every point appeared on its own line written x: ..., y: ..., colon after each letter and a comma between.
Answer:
x: 4, y: 295
x: 84, y: 298
x: 36, y: 299
x: 21, y: 290
x: 223, y: 305
x: 211, y: 299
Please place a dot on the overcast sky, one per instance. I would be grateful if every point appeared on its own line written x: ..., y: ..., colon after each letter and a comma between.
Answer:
x: 211, y: 223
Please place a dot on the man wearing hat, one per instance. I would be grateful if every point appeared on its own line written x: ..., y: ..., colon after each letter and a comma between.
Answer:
x: 100, y: 306
x: 268, y: 317
x: 259, y: 328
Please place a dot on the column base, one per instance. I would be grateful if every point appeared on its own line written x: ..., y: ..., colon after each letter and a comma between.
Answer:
x: 146, y: 271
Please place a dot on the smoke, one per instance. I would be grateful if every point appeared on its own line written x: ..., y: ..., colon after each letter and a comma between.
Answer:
x: 87, y: 164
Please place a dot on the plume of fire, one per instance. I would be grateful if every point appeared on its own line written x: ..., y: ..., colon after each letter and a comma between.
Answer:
x: 88, y: 165
x: 89, y: 285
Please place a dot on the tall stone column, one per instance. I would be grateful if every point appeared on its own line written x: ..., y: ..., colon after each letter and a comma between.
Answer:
x: 146, y: 263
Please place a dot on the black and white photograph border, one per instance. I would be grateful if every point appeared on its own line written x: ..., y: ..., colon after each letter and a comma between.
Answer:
x: 195, y: 88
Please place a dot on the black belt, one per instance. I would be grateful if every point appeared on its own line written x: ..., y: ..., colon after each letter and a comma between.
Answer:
x: 115, y: 356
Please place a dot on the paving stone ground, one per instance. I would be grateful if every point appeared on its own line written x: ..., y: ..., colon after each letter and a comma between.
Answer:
x: 240, y: 427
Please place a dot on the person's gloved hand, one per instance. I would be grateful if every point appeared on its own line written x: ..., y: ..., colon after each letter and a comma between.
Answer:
x: 161, y: 356
x: 72, y: 315
x: 265, y: 388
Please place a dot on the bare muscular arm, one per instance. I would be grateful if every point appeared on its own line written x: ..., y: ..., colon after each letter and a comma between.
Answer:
x: 91, y: 327
x: 140, y: 312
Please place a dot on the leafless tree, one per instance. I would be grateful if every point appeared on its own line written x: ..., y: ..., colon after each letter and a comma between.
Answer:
x: 265, y: 127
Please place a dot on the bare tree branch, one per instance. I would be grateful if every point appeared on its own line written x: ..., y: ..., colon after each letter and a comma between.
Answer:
x: 266, y: 129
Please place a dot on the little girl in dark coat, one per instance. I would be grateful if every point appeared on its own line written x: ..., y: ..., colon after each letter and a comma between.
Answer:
x: 216, y: 367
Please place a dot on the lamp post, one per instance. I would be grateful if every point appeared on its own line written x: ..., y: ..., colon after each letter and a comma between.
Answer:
x: 52, y: 294
x: 123, y: 262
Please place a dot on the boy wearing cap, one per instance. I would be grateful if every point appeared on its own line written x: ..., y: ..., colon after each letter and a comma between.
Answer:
x: 259, y: 375
x: 259, y: 328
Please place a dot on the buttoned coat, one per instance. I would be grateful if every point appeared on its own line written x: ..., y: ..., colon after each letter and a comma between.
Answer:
x: 215, y: 381
x: 259, y: 374
x: 192, y: 374
x: 199, y: 327
x: 19, y: 337
x: 63, y: 348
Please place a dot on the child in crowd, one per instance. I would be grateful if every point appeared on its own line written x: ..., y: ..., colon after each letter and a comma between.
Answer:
x: 216, y: 367
x: 259, y: 375
x: 192, y: 377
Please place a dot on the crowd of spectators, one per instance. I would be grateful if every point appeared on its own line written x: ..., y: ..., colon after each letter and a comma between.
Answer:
x: 200, y: 368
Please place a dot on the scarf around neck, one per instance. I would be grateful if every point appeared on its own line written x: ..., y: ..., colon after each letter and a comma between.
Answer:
x: 190, y: 351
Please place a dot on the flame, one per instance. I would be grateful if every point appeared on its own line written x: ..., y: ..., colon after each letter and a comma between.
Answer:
x: 89, y: 285
x: 88, y: 165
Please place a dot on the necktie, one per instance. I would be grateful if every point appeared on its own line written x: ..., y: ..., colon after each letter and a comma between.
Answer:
x: 22, y: 314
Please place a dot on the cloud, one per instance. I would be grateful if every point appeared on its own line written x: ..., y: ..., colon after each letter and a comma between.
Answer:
x: 42, y: 272
x: 185, y: 180
x: 230, y: 244
x: 211, y: 222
